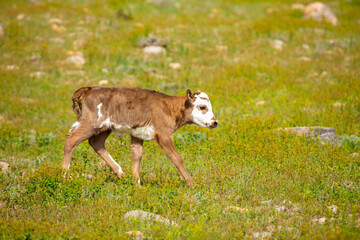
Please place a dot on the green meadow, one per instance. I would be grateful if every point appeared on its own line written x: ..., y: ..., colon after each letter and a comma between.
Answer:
x: 253, y: 180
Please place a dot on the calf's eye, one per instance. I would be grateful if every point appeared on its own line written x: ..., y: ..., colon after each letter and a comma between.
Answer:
x: 202, y: 108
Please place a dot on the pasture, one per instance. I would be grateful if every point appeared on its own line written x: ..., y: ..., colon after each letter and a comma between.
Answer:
x: 264, y: 66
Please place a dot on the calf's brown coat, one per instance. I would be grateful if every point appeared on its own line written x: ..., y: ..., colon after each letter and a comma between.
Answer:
x: 99, y: 110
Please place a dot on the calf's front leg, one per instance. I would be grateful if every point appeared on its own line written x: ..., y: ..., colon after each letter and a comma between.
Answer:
x: 136, y: 155
x: 167, y: 145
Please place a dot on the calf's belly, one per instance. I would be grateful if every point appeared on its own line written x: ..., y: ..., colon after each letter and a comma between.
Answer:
x: 144, y: 133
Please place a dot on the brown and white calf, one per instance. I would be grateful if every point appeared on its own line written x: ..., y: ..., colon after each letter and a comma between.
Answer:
x: 144, y: 114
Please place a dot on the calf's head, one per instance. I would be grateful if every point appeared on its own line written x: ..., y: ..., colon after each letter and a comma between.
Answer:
x: 201, y: 109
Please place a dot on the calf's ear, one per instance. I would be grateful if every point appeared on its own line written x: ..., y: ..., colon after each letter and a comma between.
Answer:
x: 190, y: 96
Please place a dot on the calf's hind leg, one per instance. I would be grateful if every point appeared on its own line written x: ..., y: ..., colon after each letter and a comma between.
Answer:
x: 98, y: 144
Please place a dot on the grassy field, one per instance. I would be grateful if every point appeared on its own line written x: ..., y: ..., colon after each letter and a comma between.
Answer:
x: 283, y: 186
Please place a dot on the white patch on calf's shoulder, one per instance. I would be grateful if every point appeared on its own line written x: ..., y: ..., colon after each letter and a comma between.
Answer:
x: 99, y: 111
x: 74, y: 126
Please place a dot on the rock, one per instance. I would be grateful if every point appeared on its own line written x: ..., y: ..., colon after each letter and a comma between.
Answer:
x: 58, y: 29
x: 152, y: 40
x: 238, y: 209
x: 319, y: 220
x: 175, y: 65
x: 78, y: 61
x: 262, y: 234
x: 338, y: 105
x: 333, y: 208
x: 319, y: 11
x: 297, y: 6
x: 37, y: 74
x: 154, y: 50
x: 136, y: 235
x: 305, y: 46
x: 12, y: 67
x: 141, y: 215
x: 103, y: 82
x: 20, y: 16
x: 324, y: 134
x: 5, y: 167
x: 277, y: 44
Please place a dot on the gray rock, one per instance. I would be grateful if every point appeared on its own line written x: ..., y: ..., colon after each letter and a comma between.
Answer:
x: 323, y: 134
x: 319, y: 11
x: 148, y: 216
x: 5, y: 167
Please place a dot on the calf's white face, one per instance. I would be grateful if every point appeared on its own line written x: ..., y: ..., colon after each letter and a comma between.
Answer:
x: 202, y: 111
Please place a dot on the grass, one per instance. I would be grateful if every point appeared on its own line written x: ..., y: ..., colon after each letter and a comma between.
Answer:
x: 224, y: 48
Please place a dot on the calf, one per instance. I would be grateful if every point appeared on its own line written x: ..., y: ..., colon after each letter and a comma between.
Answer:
x: 144, y: 114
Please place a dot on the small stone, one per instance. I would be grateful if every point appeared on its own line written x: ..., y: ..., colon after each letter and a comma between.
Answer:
x: 268, y: 202
x: 20, y: 16
x: 319, y: 220
x: 304, y: 59
x: 12, y: 67
x: 333, y: 208
x: 305, y: 46
x: 37, y: 74
x: 175, y: 65
x: 338, y: 105
x: 103, y: 82
x: 78, y: 61
x: 136, y: 235
x: 58, y: 29
x: 280, y: 208
x: 262, y: 234
x: 322, y: 220
x: 297, y: 6
x: 148, y: 216
x: 154, y: 50
x: 104, y: 70
x: 319, y: 11
x: 5, y: 167
x: 260, y: 103
x: 1, y: 31
x: 323, y: 74
x: 277, y: 44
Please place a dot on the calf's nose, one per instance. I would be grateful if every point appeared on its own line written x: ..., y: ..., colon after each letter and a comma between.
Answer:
x: 215, y: 124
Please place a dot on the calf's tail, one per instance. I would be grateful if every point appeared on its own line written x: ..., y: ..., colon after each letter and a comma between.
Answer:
x: 78, y: 100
